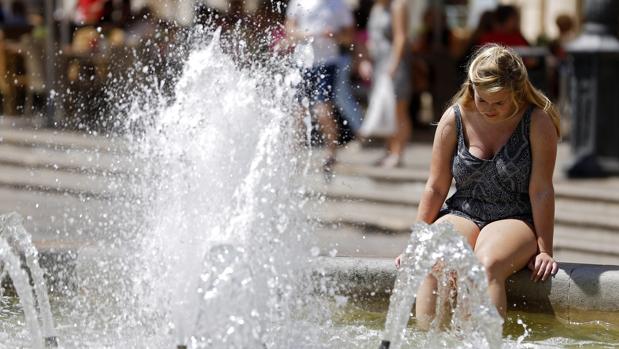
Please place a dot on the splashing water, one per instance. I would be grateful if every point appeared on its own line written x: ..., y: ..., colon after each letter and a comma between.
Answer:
x: 440, y: 251
x: 14, y: 243
x: 212, y: 247
x: 224, y: 222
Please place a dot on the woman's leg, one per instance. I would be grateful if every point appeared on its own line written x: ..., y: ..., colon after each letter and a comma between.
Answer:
x: 504, y: 247
x: 397, y: 142
x: 328, y: 127
x: 425, y: 308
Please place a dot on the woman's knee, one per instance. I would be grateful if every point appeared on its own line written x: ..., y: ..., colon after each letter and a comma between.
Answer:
x: 494, y: 267
x: 463, y: 226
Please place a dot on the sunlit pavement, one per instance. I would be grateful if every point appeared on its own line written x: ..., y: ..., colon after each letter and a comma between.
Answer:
x: 66, y: 185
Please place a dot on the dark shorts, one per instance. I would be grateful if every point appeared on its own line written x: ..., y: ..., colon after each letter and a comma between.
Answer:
x: 480, y: 222
x: 318, y: 83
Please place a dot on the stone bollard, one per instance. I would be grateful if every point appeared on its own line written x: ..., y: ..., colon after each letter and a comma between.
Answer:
x: 594, y: 65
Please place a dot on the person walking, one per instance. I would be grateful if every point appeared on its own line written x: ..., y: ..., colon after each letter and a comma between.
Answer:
x: 317, y: 28
x: 498, y: 141
x: 387, y: 45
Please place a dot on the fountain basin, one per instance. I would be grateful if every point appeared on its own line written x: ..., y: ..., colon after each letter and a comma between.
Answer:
x: 586, y: 291
x: 578, y: 292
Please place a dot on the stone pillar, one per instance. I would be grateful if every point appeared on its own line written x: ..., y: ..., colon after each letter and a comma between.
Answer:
x: 594, y: 65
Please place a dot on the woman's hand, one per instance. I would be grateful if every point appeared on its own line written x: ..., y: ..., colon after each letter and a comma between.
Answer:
x: 542, y: 266
x: 398, y: 260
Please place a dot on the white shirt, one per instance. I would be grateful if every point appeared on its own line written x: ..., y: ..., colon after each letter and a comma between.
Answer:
x: 314, y: 18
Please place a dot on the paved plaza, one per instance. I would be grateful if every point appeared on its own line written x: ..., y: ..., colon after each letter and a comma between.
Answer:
x: 66, y: 184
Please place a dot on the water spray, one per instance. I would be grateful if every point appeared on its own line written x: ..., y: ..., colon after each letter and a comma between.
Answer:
x: 15, y: 244
x: 438, y: 244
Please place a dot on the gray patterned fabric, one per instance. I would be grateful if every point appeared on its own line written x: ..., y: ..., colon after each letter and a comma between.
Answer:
x: 493, y: 189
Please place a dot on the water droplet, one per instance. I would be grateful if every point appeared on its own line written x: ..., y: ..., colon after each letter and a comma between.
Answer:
x: 315, y: 251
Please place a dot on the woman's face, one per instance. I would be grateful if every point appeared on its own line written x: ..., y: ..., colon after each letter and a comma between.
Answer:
x: 494, y: 106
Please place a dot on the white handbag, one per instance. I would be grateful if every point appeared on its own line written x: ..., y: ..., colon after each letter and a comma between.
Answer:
x: 380, y: 120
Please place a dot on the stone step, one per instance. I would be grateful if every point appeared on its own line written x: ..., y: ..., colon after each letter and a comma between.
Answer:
x: 396, y: 219
x: 594, y: 241
x: 363, y: 188
x: 356, y: 241
x: 399, y: 218
x: 399, y: 174
x: 52, y: 216
x: 353, y: 241
x: 379, y: 217
x: 569, y: 211
x: 49, y: 180
x: 62, y: 140
x: 606, y: 190
x: 70, y: 160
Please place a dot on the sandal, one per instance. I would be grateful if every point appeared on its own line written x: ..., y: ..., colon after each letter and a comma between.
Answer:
x: 390, y: 161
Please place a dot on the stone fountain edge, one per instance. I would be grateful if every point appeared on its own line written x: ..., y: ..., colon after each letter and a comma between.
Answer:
x: 578, y: 292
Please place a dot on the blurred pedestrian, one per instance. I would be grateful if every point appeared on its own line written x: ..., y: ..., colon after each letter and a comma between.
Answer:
x: 18, y: 17
x: 506, y: 30
x: 559, y: 76
x: 388, y: 48
x: 89, y: 11
x: 484, y: 26
x: 345, y: 100
x: 567, y: 32
x: 498, y: 141
x: 317, y: 28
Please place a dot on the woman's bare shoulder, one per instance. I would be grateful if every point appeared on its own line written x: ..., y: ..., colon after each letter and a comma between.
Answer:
x: 448, y: 117
x: 542, y: 125
x: 447, y: 124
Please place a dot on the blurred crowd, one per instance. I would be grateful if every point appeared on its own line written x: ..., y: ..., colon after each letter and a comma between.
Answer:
x: 93, y: 45
x: 356, y: 50
x: 421, y: 71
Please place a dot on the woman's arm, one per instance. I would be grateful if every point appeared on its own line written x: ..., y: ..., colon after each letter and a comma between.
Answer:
x: 439, y: 181
x: 399, y: 15
x: 544, y: 140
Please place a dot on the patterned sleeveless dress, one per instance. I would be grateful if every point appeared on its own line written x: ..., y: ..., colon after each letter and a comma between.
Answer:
x: 493, y: 189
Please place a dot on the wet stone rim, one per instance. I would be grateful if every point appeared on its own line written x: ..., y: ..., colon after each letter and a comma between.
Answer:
x: 578, y: 292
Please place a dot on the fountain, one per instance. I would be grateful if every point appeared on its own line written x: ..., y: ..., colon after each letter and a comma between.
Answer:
x: 209, y: 245
x: 15, y: 242
x: 217, y: 238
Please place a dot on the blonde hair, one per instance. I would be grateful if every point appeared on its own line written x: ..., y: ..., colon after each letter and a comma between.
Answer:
x: 495, y: 68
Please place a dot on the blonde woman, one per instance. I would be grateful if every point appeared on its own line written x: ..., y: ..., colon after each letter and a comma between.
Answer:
x: 499, y: 142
